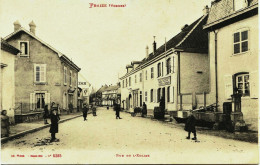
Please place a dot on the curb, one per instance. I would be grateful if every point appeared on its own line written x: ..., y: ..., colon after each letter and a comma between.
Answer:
x: 5, y: 139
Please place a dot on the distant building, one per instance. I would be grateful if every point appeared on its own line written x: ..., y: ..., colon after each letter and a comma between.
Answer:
x: 42, y: 74
x: 8, y: 55
x: 176, y: 72
x: 111, y: 95
x: 233, y: 55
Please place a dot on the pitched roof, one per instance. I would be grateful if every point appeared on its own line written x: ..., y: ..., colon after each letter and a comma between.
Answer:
x: 223, y: 8
x: 21, y: 29
x: 62, y: 56
x: 9, y: 48
x: 192, y: 38
x: 112, y: 87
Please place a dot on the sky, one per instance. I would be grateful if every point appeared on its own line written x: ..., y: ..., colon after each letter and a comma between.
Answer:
x: 101, y: 40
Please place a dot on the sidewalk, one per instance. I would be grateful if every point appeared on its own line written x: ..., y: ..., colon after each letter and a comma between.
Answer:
x: 249, y: 136
x: 22, y: 129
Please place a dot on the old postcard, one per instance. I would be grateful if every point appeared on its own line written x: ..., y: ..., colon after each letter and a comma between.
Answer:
x: 129, y: 81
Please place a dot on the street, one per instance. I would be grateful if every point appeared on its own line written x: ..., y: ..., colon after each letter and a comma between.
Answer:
x: 105, y: 139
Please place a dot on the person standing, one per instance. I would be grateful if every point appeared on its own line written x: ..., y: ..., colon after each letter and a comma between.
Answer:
x: 46, y: 114
x: 54, y: 124
x: 5, y: 125
x: 190, y: 126
x: 85, y: 112
x: 117, y: 109
x: 144, y: 111
x: 94, y: 110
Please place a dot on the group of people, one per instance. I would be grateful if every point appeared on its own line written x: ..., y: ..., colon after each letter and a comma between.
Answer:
x: 86, y: 109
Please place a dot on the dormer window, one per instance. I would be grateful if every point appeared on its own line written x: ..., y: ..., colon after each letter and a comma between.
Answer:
x: 24, y: 48
x: 240, y: 4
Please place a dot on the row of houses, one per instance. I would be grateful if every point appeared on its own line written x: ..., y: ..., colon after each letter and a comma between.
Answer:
x: 107, y: 95
x: 213, y: 58
x: 36, y: 75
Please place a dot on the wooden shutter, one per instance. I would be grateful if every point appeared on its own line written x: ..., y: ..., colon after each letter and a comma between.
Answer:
x: 47, y: 98
x: 228, y: 86
x: 254, y: 85
x: 32, y: 101
x: 173, y: 64
x: 34, y: 73
x: 44, y: 70
x: 171, y: 94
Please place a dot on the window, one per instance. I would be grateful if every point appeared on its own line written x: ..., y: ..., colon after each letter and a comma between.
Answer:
x: 162, y: 68
x: 242, y: 84
x: 24, y: 48
x: 152, y: 72
x: 151, y: 95
x: 145, y: 96
x: 135, y: 79
x: 40, y: 100
x: 173, y: 94
x: 146, y: 74
x: 168, y: 66
x: 65, y: 75
x: 123, y: 83
x: 168, y: 94
x: 158, y: 94
x: 126, y: 83
x: 40, y: 73
x: 76, y: 79
x: 70, y: 78
x: 141, y: 77
x: 159, y: 73
x: 240, y: 42
x: 129, y: 81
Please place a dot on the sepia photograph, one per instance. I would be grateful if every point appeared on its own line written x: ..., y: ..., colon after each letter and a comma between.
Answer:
x: 129, y: 81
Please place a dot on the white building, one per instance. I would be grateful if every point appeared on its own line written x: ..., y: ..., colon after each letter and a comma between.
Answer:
x: 7, y: 83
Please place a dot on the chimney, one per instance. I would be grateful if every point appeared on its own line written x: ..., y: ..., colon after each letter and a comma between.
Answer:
x: 17, y: 25
x: 32, y: 27
x: 154, y: 45
x: 206, y: 10
x: 147, y: 52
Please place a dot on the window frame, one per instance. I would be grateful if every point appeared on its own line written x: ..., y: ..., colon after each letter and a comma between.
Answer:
x: 141, y: 77
x: 240, y: 41
x: 70, y: 78
x: 40, y: 73
x: 168, y: 66
x: 243, y: 83
x: 28, y: 48
x: 151, y: 96
x: 65, y: 70
x: 152, y: 72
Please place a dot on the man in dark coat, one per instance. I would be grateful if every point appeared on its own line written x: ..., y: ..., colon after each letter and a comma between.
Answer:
x: 117, y: 109
x: 85, y: 112
x: 144, y: 111
x: 190, y: 127
x: 46, y: 114
x: 54, y: 124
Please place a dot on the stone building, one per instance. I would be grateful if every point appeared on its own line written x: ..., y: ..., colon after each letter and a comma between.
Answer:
x: 233, y: 53
x: 42, y: 73
x: 7, y: 79
x: 177, y: 72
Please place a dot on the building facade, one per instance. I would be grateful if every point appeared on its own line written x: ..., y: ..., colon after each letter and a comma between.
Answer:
x: 176, y: 72
x: 110, y: 95
x: 233, y: 51
x: 43, y: 74
x: 7, y: 84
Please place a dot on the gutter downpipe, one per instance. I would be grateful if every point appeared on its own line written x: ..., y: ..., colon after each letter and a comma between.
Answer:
x: 216, y: 67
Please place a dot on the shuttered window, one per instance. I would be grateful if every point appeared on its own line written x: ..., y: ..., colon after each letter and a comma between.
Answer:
x: 40, y: 73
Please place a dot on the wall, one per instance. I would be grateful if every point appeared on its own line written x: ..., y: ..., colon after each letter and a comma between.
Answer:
x: 24, y: 71
x: 8, y: 84
x: 229, y: 64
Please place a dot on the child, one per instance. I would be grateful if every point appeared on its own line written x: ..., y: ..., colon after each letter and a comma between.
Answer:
x: 54, y: 124
x: 190, y: 127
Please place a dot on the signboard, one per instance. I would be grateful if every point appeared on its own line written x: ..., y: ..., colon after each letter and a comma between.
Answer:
x: 85, y: 92
x: 164, y: 81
